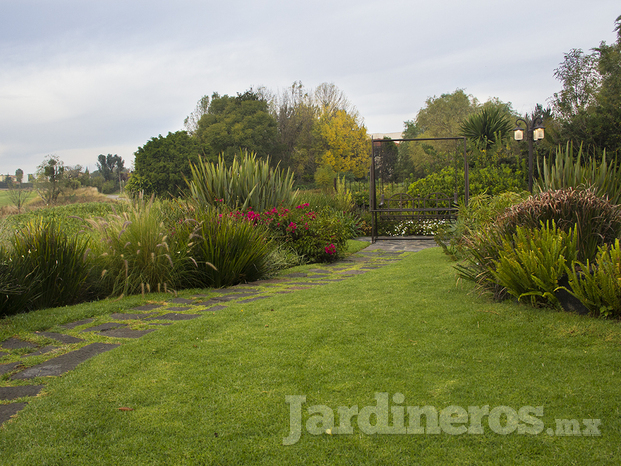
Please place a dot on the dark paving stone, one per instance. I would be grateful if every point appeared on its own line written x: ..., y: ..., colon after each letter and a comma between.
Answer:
x: 308, y: 283
x: 224, y: 299
x: 181, y: 301
x: 371, y: 267
x: 45, y: 349
x: 300, y: 288
x: 147, y: 307
x: 72, y: 325
x: 6, y: 411
x: 159, y: 323
x: 353, y: 272
x: 178, y: 309
x: 335, y: 279
x: 319, y: 271
x: 126, y: 333
x: 212, y: 309
x: 103, y: 327
x: 296, y: 275
x: 12, y: 393
x: 256, y: 298
x: 323, y: 275
x: 14, y: 343
x: 61, y: 364
x: 118, y: 316
x: 2, y: 354
x: 284, y: 292
x: 173, y: 316
x: 271, y: 281
x: 66, y: 339
x: 5, y: 368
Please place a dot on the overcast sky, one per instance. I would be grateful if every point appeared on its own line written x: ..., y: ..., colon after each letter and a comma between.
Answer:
x: 89, y: 77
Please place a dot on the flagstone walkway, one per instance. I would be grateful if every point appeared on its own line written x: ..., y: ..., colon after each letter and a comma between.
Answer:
x: 25, y: 366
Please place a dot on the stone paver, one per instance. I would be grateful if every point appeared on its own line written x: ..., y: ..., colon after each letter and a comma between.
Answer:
x: 7, y: 411
x: 6, y: 368
x: 126, y: 333
x: 103, y: 327
x: 15, y: 343
x: 212, y: 309
x: 173, y: 316
x: 12, y: 393
x: 72, y: 325
x: 118, y: 316
x: 64, y: 363
x: 44, y: 350
x: 66, y: 339
x: 147, y: 307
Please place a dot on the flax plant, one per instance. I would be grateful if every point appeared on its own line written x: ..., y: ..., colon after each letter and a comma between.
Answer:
x: 246, y: 183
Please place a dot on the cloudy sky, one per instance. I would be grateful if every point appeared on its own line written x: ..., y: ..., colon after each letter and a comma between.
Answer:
x: 81, y: 78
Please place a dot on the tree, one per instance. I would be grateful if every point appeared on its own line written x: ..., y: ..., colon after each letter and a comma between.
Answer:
x: 18, y: 195
x: 589, y: 105
x: 344, y: 143
x: 234, y: 123
x: 19, y: 175
x: 441, y: 117
x: 50, y: 174
x: 163, y: 162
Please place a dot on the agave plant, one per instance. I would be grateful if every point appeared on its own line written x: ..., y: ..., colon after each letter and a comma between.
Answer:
x: 247, y: 183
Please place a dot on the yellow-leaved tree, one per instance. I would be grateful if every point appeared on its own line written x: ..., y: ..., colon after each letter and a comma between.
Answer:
x: 344, y: 143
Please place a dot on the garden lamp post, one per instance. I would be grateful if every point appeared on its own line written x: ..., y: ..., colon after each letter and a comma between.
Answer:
x: 534, y: 132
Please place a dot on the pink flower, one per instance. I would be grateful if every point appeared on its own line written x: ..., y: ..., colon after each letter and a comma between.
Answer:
x: 330, y: 249
x: 292, y: 226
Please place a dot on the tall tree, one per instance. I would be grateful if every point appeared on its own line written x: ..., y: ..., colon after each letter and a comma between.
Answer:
x: 19, y: 175
x: 49, y: 178
x: 191, y: 121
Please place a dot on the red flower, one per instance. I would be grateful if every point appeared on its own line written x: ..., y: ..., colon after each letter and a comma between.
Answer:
x: 330, y: 249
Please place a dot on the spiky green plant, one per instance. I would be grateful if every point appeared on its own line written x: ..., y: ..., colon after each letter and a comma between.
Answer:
x: 597, y: 284
x: 229, y: 250
x: 486, y: 127
x: 532, y: 261
x: 247, y: 183
x: 569, y: 171
x: 47, y: 268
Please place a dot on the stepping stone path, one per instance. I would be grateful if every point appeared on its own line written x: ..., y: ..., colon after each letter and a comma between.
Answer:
x: 75, y: 350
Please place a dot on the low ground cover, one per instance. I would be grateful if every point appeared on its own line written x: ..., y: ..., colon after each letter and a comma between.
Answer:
x: 213, y: 390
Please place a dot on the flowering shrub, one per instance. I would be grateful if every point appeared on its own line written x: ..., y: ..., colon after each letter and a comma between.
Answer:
x: 318, y: 236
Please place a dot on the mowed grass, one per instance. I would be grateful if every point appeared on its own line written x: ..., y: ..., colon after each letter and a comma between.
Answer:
x: 212, y: 390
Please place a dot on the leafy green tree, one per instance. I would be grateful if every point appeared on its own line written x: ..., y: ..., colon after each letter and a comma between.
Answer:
x: 234, y: 123
x: 163, y: 162
x: 19, y: 175
x: 49, y: 178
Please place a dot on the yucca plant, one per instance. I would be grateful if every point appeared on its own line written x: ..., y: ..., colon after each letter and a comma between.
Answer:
x: 247, y: 183
x: 487, y: 127
x: 532, y: 262
x: 47, y: 268
x: 568, y: 171
x: 136, y: 252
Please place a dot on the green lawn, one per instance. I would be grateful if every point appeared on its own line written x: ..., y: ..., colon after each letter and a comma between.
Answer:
x: 213, y: 390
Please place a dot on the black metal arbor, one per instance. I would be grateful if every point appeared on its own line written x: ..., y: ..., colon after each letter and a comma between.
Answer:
x: 401, y: 206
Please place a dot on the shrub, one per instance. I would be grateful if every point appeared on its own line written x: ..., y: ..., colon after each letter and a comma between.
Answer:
x: 597, y: 221
x: 317, y: 236
x: 247, y: 183
x: 598, y: 284
x: 532, y: 261
x: 53, y: 264
x: 481, y: 211
x: 491, y: 180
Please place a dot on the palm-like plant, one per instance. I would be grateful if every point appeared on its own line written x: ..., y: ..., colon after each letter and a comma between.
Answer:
x: 487, y: 127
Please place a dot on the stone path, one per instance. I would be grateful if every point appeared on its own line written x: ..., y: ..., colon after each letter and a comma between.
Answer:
x: 25, y: 363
